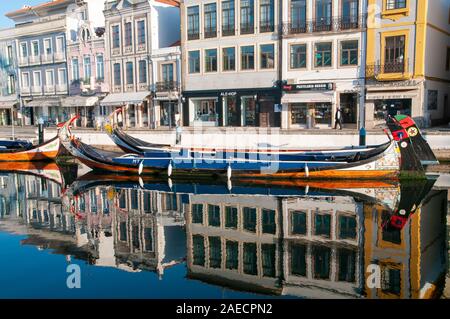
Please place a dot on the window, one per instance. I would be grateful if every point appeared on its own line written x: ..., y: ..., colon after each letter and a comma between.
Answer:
x: 298, y: 260
x: 347, y: 227
x: 391, y: 280
x: 23, y: 50
x: 232, y: 255
x: 198, y: 250
x: 87, y: 68
x: 142, y: 71
x: 100, y: 68
x: 215, y: 252
x: 141, y: 32
x: 11, y: 84
x: 322, y: 53
x: 229, y: 59
x: 432, y: 100
x: 323, y: 15
x: 395, y: 4
x: 268, y: 252
x: 148, y: 239
x: 26, y: 80
x: 10, y: 54
x: 247, y: 16
x: 35, y: 48
x: 322, y: 225
x: 248, y: 58
x: 123, y: 231
x: 350, y: 9
x: 298, y: 56
x: 267, y: 56
x: 128, y: 34
x: 37, y: 78
x: 211, y: 60
x: 321, y: 262
x: 250, y: 259
x: 298, y: 223
x: 116, y: 37
x: 60, y: 44
x: 267, y: 15
x: 48, y: 46
x: 49, y: 78
x: 210, y: 20
x: 249, y: 215
x: 269, y: 225
x: 346, y: 265
x: 129, y: 72
x: 62, y: 79
x: 194, y: 62
x: 75, y: 69
x: 214, y: 215
x: 117, y: 75
x: 228, y: 18
x: 349, y: 53
x: 394, y: 56
x: 231, y: 217
x: 298, y: 16
x: 193, y: 23
x: 167, y: 72
x: 197, y: 213
x: 447, y: 61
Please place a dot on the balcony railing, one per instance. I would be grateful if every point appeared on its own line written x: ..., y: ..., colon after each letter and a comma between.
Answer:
x: 228, y: 31
x: 59, y: 56
x: 23, y: 60
x: 332, y: 24
x: 166, y: 86
x: 34, y: 59
x: 247, y: 29
x: 210, y: 33
x: 49, y: 89
x: 269, y: 27
x: 374, y: 71
x: 128, y: 49
x: 25, y: 90
x: 61, y: 88
x: 193, y: 35
x: 47, y: 58
x: 36, y: 89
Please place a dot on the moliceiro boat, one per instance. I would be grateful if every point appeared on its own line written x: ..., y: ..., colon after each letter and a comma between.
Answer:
x: 371, y: 162
x: 27, y: 152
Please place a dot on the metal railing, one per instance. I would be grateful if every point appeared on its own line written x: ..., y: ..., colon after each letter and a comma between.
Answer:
x: 166, y: 86
x: 331, y: 24
x: 193, y: 35
x: 247, y: 29
x: 210, y: 33
x: 374, y: 70
x: 228, y: 31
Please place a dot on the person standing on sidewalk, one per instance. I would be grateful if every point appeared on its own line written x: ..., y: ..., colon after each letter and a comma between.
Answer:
x: 338, y: 118
x: 178, y: 129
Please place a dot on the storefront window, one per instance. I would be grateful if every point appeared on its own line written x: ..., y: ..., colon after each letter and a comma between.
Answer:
x: 232, y: 115
x: 167, y: 114
x: 383, y: 108
x: 205, y: 111
x: 299, y: 112
x: 248, y: 104
x: 323, y: 113
x: 348, y: 104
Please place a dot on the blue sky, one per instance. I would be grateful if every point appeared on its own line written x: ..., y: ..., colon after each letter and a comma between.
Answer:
x: 11, y: 5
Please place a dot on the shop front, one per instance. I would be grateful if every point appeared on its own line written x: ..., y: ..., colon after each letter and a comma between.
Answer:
x: 308, y: 105
x: 7, y: 109
x: 232, y: 108
x: 83, y: 106
x: 49, y: 110
x: 166, y: 109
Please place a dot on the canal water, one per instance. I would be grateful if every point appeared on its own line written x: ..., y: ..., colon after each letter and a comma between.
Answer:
x: 106, y: 236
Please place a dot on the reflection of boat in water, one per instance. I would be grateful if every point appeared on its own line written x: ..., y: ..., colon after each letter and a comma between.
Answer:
x: 278, y: 240
x: 23, y: 153
x: 381, y: 161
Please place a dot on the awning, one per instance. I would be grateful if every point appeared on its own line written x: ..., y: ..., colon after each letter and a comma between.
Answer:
x: 309, y: 97
x: 124, y: 98
x: 77, y: 101
x: 44, y: 103
x: 7, y: 102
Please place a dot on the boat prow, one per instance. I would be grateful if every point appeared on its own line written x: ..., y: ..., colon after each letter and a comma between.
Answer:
x: 44, y: 152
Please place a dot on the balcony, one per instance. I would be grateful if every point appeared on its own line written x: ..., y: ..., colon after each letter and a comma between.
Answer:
x: 332, y: 24
x: 266, y: 28
x: 49, y: 89
x: 59, y: 56
x: 115, y: 51
x: 23, y: 61
x: 61, y: 88
x: 34, y: 59
x: 117, y: 88
x: 36, y: 90
x: 210, y: 33
x: 143, y: 87
x: 228, y: 31
x: 128, y: 49
x: 247, y: 29
x: 392, y: 71
x: 129, y: 87
x: 25, y: 90
x: 193, y: 35
x: 47, y: 58
x: 142, y: 47
x: 166, y: 86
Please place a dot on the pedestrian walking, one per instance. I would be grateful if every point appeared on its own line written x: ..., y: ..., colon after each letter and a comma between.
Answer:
x: 338, y: 118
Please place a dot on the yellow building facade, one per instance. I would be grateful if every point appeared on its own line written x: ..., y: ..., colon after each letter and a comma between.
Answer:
x: 407, y: 65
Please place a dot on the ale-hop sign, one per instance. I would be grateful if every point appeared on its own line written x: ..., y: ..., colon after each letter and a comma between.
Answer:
x: 308, y: 87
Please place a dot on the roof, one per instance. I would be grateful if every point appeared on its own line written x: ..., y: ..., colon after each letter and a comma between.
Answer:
x: 36, y: 7
x: 174, y: 3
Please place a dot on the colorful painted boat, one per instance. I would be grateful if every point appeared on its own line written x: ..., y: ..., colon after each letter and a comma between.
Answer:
x: 46, y: 151
x: 383, y: 161
x: 14, y: 144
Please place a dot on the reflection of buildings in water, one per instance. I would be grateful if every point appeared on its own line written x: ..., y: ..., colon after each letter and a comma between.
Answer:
x: 316, y: 247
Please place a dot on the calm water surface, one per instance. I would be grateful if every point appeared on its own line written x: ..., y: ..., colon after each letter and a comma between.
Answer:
x: 135, y: 238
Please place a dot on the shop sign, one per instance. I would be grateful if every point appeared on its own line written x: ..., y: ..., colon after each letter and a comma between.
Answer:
x: 228, y: 93
x: 308, y: 87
